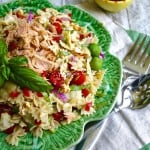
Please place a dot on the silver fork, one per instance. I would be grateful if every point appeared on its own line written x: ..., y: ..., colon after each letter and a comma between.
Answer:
x: 137, y: 59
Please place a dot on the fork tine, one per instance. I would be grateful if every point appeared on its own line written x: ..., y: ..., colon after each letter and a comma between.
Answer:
x: 146, y: 62
x: 128, y: 56
x: 137, y: 59
x: 143, y: 56
x: 137, y: 49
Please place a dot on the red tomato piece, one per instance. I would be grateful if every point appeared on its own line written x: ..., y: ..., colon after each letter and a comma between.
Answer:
x: 81, y: 36
x: 56, y: 38
x: 6, y: 33
x: 14, y: 94
x: 26, y: 128
x: 58, y: 27
x: 70, y: 14
x: 12, y: 45
x: 5, y: 108
x: 59, y: 116
x: 56, y: 79
x: 44, y: 74
x: 26, y: 92
x: 79, y: 78
x: 59, y: 20
x: 89, y: 34
x: 70, y: 67
x: 10, y: 130
x: 39, y: 94
x: 38, y: 122
x: 85, y: 92
x: 88, y: 106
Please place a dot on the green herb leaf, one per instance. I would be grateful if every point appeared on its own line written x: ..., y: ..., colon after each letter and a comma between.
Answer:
x: 3, y: 52
x: 2, y: 79
x: 64, y: 53
x: 18, y: 60
x: 75, y: 88
x: 26, y: 77
x: 5, y: 71
x: 46, y: 97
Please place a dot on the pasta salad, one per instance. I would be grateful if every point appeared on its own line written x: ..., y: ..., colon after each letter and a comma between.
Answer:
x: 50, y: 70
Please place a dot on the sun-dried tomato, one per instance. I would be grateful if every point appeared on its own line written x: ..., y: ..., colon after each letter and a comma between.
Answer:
x: 56, y: 38
x: 59, y: 116
x: 26, y: 92
x: 14, y: 94
x: 58, y: 27
x: 12, y: 45
x: 85, y: 92
x: 5, y: 108
x: 45, y: 74
x: 38, y: 122
x: 56, y: 79
x: 81, y: 36
x: 6, y: 33
x: 88, y: 106
x: 39, y: 94
x: 79, y: 78
x: 10, y: 130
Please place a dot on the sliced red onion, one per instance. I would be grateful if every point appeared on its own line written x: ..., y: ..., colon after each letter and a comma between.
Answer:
x: 101, y: 55
x: 65, y: 19
x: 89, y: 40
x: 61, y: 37
x: 30, y: 17
x: 73, y: 59
x: 61, y: 96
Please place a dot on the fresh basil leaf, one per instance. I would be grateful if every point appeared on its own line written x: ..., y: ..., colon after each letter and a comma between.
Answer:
x: 3, y: 51
x: 2, y: 80
x: 26, y: 77
x: 5, y: 71
x: 18, y: 60
x: 3, y: 47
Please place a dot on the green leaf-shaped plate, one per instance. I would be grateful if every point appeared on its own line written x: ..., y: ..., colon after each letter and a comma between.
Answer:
x: 69, y: 135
